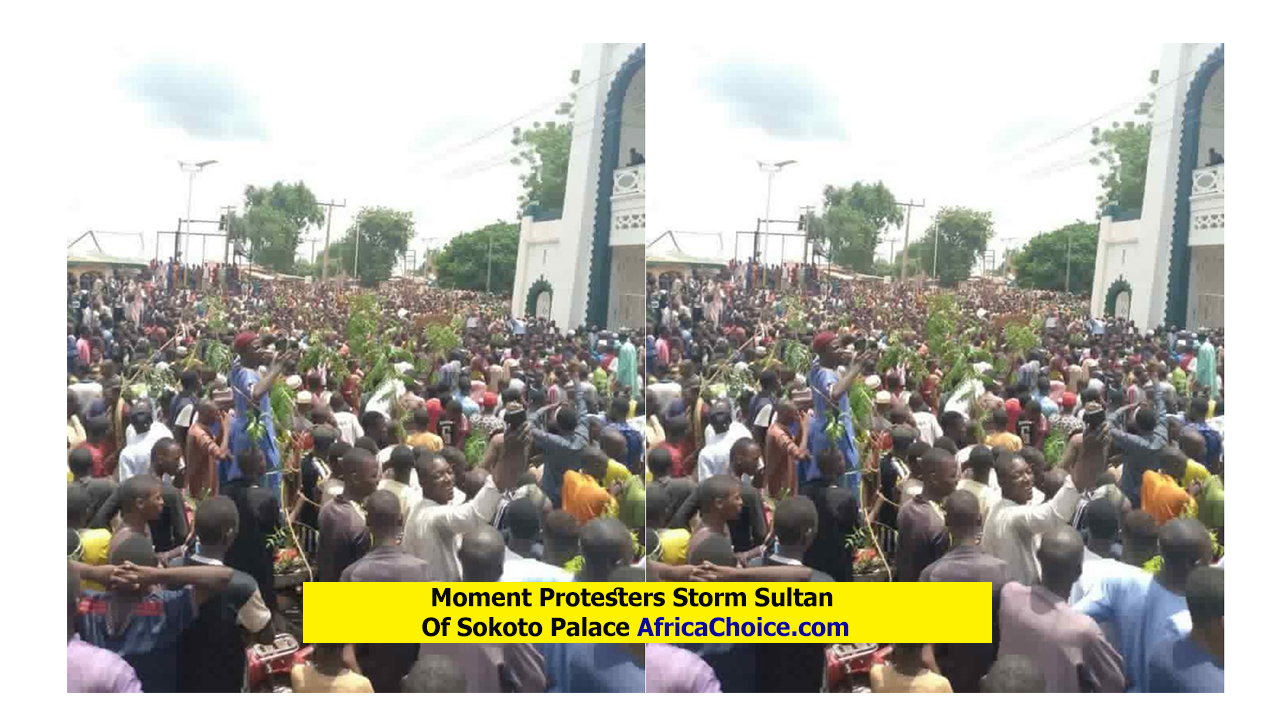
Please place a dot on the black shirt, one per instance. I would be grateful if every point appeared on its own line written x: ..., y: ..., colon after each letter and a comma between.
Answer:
x: 837, y: 518
x: 167, y: 531
x: 747, y: 531
x: 964, y: 664
x: 259, y: 519
x: 791, y: 667
x: 211, y: 654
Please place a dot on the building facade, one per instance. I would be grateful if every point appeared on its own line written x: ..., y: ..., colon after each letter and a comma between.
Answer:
x: 585, y: 265
x: 1163, y: 265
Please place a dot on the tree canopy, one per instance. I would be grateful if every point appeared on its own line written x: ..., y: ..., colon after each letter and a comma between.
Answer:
x: 273, y: 220
x: 962, y: 233
x: 463, y: 262
x: 544, y: 153
x: 1042, y: 262
x: 1121, y: 150
x: 384, y: 237
x: 853, y: 221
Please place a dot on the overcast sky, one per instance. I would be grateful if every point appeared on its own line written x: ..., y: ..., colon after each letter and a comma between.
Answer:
x: 949, y: 125
x: 372, y: 115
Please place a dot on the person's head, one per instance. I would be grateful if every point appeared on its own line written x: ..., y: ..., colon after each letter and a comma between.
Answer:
x: 141, y: 498
x: 1013, y: 674
x: 720, y: 414
x: 524, y: 521
x: 1197, y: 409
x: 938, y: 472
x: 1140, y: 537
x: 1101, y: 520
x: 401, y: 463
x: 1192, y: 443
x: 963, y: 515
x: 787, y: 412
x: 79, y: 503
x: 136, y: 549
x: 141, y: 415
x: 217, y: 522
x: 382, y: 516
x: 831, y: 464
x: 901, y: 415
x: 901, y: 437
x: 375, y: 426
x: 605, y: 544
x: 595, y: 463
x: 359, y: 473
x: 1206, y: 603
x: 421, y: 421
x: 795, y: 521
x: 997, y: 421
x: 481, y: 554
x: 1145, y: 419
x: 981, y: 461
x: 559, y: 537
x: 1184, y: 544
x: 457, y: 460
x: 720, y: 498
x: 660, y: 462
x: 435, y: 474
x: 434, y: 674
x: 80, y: 462
x: 166, y: 457
x: 715, y: 549
x: 252, y: 463
x: 744, y: 456
x: 1173, y: 462
x: 953, y: 426
x: 566, y: 419
x: 768, y: 382
x: 1061, y: 557
x: 1015, y: 477
x: 614, y: 444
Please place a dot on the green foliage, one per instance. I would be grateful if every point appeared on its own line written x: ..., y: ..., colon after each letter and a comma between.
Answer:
x: 283, y: 406
x: 1020, y: 338
x: 384, y: 237
x: 464, y: 261
x: 1122, y: 151
x: 273, y: 220
x: 1055, y: 444
x: 544, y: 152
x: 475, y: 447
x: 854, y: 220
x: 442, y: 338
x: 961, y: 233
x: 1042, y: 262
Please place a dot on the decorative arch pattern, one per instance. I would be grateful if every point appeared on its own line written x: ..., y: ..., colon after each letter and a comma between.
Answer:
x: 1175, y: 304
x: 601, y: 253
x: 1113, y: 292
x: 538, y: 287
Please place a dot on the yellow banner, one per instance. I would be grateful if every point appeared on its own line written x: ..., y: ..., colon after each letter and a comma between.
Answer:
x: 646, y: 612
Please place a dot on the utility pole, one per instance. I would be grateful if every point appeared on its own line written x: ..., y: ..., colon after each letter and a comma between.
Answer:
x: 356, y: 270
x: 226, y: 248
x: 806, y: 213
x: 906, y: 238
x: 324, y: 273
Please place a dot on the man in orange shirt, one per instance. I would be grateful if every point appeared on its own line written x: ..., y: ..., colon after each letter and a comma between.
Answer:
x: 584, y: 498
x: 782, y: 452
x: 204, y: 450
x: 1163, y: 498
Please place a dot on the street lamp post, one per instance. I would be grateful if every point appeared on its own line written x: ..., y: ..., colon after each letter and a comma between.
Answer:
x: 772, y: 169
x: 192, y: 169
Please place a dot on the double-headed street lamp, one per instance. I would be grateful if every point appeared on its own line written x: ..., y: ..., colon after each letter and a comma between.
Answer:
x: 772, y: 169
x: 192, y: 169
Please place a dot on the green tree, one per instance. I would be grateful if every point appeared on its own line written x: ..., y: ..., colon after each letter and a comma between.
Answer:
x: 1042, y: 262
x: 384, y: 237
x: 854, y: 219
x: 273, y: 220
x: 463, y: 262
x: 961, y: 234
x: 1121, y: 150
x: 544, y: 152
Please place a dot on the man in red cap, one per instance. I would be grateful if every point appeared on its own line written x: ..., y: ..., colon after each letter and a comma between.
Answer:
x: 486, y: 421
x: 830, y: 390
x: 249, y: 390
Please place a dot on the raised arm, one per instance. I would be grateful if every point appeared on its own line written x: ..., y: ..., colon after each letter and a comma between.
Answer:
x: 473, y: 513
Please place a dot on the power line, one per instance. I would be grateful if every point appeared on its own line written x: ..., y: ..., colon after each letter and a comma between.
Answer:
x: 490, y: 133
x: 1089, y: 123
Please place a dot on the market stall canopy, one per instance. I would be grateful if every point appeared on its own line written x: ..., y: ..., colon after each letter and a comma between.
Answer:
x: 97, y: 258
x: 681, y: 259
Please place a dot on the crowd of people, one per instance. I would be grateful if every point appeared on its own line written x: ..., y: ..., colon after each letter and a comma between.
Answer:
x: 229, y: 440
x: 807, y: 431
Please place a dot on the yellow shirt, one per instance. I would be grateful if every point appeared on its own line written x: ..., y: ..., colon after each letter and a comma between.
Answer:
x: 94, y: 545
x: 1005, y: 440
x: 306, y: 679
x: 617, y: 472
x: 673, y: 546
x: 885, y: 679
x: 1195, y: 473
x: 426, y: 439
